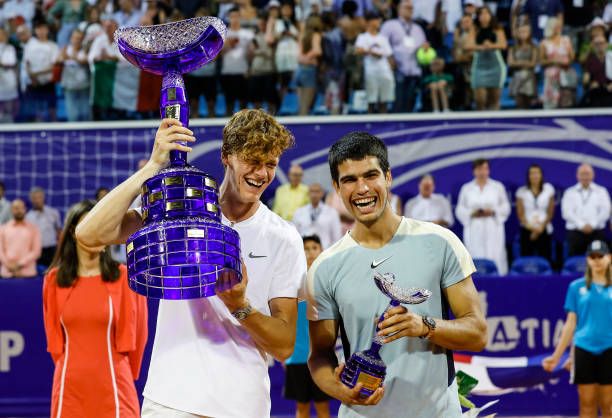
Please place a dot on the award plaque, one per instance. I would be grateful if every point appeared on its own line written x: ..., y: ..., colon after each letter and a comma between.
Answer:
x: 183, y: 249
x: 367, y: 367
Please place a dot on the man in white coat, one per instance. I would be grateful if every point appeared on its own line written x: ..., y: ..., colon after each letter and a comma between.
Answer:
x: 316, y: 218
x: 483, y: 208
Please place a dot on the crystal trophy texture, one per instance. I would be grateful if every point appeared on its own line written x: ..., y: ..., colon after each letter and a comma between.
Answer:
x: 367, y: 367
x: 183, y: 250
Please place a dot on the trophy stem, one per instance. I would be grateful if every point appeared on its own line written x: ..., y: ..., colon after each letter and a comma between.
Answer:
x: 174, y: 104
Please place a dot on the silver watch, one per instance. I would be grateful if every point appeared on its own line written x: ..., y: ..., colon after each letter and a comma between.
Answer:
x: 242, y: 313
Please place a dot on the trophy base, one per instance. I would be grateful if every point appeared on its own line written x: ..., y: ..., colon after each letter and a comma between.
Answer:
x: 183, y: 258
x: 365, y: 369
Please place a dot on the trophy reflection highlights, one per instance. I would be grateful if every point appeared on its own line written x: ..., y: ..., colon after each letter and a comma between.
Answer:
x: 183, y: 248
x: 367, y: 367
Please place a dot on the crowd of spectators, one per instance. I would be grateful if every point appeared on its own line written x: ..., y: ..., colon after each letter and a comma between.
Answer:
x: 313, y: 56
x: 28, y: 239
x: 482, y: 208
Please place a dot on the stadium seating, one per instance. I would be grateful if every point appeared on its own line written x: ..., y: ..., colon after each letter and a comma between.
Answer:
x: 531, y: 265
x: 484, y: 266
x: 575, y: 265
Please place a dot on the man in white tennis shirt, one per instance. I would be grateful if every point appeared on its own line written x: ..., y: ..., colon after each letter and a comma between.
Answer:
x: 209, y: 355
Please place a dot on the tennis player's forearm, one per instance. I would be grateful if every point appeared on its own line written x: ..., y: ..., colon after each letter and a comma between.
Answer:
x: 104, y: 224
x: 322, y: 372
x: 273, y: 335
x: 467, y: 333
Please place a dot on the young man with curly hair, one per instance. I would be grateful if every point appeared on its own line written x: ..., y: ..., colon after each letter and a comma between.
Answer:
x: 206, y: 362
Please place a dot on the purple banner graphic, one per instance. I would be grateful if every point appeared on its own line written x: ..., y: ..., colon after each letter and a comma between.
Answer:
x: 521, y: 327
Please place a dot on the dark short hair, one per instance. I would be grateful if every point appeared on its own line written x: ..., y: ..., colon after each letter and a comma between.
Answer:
x: 357, y: 146
x: 100, y: 190
x: 371, y: 15
x: 478, y: 162
x: 313, y: 238
x: 233, y: 9
x: 2, y: 186
x: 66, y: 258
x: 349, y: 8
x: 528, y: 183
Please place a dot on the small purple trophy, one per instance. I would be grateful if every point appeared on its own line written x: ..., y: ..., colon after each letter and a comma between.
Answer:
x: 367, y: 367
x: 183, y: 249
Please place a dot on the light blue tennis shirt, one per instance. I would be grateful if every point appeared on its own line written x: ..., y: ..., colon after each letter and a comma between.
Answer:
x: 420, y: 381
x: 593, y: 309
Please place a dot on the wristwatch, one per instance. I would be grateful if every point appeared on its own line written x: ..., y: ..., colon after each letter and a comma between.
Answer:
x: 430, y: 323
x: 241, y: 313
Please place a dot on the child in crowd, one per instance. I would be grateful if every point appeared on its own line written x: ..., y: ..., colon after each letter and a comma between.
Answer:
x: 439, y: 85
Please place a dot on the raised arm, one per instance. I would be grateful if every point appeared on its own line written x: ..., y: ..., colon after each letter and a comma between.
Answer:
x: 110, y: 222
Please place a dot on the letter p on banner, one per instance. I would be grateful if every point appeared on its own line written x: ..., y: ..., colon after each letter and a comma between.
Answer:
x: 11, y: 345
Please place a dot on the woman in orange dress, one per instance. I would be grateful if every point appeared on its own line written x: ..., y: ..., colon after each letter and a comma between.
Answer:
x: 96, y: 329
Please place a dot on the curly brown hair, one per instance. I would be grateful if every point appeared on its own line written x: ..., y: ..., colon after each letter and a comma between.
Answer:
x: 255, y: 135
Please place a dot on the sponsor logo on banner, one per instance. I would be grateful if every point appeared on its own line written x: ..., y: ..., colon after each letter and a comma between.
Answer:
x: 12, y: 344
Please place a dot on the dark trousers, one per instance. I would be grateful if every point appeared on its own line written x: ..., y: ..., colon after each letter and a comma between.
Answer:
x: 406, y: 89
x: 46, y: 256
x: 578, y: 241
x: 540, y: 246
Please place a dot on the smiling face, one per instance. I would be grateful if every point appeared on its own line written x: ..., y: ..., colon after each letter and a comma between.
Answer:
x: 585, y: 175
x: 484, y: 17
x: 535, y: 176
x: 364, y: 188
x: 481, y: 172
x: 312, y: 250
x: 598, y: 262
x: 18, y: 209
x: 249, y: 178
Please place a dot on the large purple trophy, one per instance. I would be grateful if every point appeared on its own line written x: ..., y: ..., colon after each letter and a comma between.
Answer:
x: 183, y: 249
x: 367, y: 367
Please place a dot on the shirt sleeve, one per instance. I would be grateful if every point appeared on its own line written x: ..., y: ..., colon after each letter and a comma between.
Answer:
x: 361, y: 42
x: 571, y: 304
x: 568, y: 209
x: 386, y: 47
x: 458, y: 263
x: 321, y: 304
x: 448, y: 213
x: 503, y: 210
x: 290, y: 269
x: 3, y: 259
x: 463, y: 211
x: 603, y: 214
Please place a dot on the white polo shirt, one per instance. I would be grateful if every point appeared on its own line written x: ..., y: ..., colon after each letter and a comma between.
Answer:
x: 204, y: 362
x: 323, y: 221
x: 581, y: 206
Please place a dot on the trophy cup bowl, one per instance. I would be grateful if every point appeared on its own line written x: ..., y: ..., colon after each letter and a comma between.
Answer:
x: 183, y: 249
x: 367, y: 367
